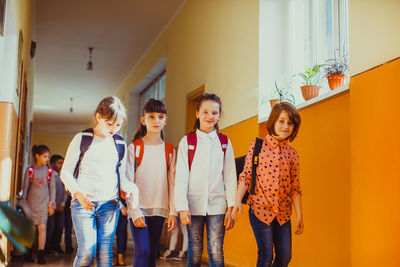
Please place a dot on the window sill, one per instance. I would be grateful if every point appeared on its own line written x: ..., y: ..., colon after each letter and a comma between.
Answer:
x: 317, y: 100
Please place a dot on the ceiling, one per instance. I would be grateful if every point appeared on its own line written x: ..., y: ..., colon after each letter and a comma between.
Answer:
x: 119, y: 31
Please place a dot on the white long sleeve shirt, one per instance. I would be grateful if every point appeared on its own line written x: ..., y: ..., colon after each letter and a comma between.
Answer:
x: 210, y: 186
x: 97, y: 175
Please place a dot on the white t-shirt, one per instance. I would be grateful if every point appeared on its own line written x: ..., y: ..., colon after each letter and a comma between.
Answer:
x: 97, y: 171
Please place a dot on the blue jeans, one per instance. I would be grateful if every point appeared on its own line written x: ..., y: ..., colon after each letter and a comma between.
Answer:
x: 95, y: 231
x: 215, y: 240
x: 269, y: 236
x: 147, y: 241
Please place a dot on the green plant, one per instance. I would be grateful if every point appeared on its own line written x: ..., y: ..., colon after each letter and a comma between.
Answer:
x: 283, y: 93
x: 16, y: 227
x: 311, y: 76
x: 336, y: 66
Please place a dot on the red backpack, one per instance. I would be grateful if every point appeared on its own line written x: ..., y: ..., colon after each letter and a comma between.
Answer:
x: 139, y: 151
x: 192, y: 144
x: 32, y: 174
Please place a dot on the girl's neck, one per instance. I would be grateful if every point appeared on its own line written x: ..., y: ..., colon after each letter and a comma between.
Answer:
x: 152, y: 139
x: 278, y: 138
x: 40, y: 164
x: 206, y: 130
x: 97, y: 132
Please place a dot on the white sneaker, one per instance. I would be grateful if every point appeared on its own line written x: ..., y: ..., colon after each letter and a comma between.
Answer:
x: 181, y: 255
x: 167, y: 255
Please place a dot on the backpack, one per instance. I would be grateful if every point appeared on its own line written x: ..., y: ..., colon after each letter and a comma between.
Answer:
x: 192, y: 144
x: 139, y: 151
x: 239, y: 162
x: 32, y: 174
x: 86, y: 141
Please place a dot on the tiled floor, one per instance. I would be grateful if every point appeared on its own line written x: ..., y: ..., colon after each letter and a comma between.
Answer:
x: 68, y: 259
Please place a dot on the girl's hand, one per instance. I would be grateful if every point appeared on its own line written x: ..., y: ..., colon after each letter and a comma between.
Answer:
x: 124, y: 211
x: 172, y: 222
x: 140, y: 222
x: 299, y: 226
x: 86, y: 204
x: 185, y: 217
x: 51, y: 211
x: 235, y: 209
x: 228, y: 222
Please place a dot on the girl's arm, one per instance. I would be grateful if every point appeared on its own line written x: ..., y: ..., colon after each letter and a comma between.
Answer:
x: 171, y: 185
x: 70, y: 161
x: 299, y: 215
x: 52, y: 192
x: 244, y: 181
x: 27, y: 183
x: 229, y: 175
x: 295, y: 193
x: 182, y: 182
x: 127, y: 184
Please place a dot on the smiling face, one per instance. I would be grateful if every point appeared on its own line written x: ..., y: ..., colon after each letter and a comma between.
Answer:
x: 208, y: 115
x: 283, y: 126
x: 108, y: 127
x: 154, y: 121
x: 42, y: 159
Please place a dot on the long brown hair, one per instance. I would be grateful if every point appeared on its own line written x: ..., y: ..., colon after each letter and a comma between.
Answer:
x: 151, y: 105
x: 111, y: 108
x: 205, y: 97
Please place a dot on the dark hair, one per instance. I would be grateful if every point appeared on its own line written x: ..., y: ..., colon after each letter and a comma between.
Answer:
x: 39, y: 149
x: 294, y: 116
x: 110, y: 108
x: 54, y: 158
x: 150, y: 106
x: 203, y: 98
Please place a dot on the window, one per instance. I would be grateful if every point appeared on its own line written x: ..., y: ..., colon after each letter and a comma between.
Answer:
x: 155, y: 90
x: 295, y: 34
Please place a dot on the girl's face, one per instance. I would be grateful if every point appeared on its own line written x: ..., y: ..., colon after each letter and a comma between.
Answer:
x: 108, y: 127
x: 208, y: 115
x: 283, y: 126
x: 154, y: 121
x: 42, y: 159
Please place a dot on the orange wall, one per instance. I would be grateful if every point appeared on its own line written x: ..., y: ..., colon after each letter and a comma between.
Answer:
x: 325, y: 172
x: 375, y: 143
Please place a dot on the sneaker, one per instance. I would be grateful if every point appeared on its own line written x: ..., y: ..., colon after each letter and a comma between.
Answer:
x: 59, y: 250
x: 181, y: 256
x: 41, y: 259
x: 168, y: 255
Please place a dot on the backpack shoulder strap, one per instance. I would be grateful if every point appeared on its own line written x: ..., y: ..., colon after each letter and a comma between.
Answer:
x: 49, y: 174
x: 31, y: 173
x: 256, y: 152
x: 120, y: 146
x: 223, y: 139
x: 169, y: 150
x: 139, y: 151
x: 192, y: 144
x: 86, y: 141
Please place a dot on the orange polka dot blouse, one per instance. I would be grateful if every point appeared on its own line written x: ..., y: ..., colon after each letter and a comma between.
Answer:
x: 277, y: 180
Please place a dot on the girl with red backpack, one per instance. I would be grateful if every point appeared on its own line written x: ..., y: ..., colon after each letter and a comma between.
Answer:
x: 205, y: 183
x: 94, y: 174
x: 40, y: 192
x: 277, y: 188
x: 151, y: 165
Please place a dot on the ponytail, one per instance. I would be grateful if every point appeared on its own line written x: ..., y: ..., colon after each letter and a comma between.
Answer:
x: 39, y: 149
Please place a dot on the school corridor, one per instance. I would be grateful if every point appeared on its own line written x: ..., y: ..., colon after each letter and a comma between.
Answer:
x: 58, y: 59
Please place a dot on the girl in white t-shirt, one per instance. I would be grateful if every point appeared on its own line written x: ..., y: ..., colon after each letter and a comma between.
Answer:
x: 151, y: 165
x: 205, y: 183
x: 94, y: 171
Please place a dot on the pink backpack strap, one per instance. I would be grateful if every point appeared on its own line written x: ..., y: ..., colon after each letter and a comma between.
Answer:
x: 192, y: 144
x: 31, y: 173
x: 224, y: 142
x: 49, y: 173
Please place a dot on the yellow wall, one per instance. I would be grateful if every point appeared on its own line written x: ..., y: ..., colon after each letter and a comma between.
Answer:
x: 58, y: 144
x: 375, y: 172
x: 373, y: 33
x: 209, y: 42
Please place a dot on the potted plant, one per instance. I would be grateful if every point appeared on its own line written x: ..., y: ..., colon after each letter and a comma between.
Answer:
x: 336, y: 71
x: 281, y: 94
x: 311, y: 81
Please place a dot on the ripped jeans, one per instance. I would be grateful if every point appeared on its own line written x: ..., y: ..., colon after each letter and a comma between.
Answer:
x: 215, y: 239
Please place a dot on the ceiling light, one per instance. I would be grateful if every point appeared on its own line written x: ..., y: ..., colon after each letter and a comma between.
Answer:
x: 89, y: 65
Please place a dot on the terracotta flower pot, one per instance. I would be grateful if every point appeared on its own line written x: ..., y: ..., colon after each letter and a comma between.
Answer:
x: 336, y: 80
x: 274, y: 101
x: 310, y: 91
